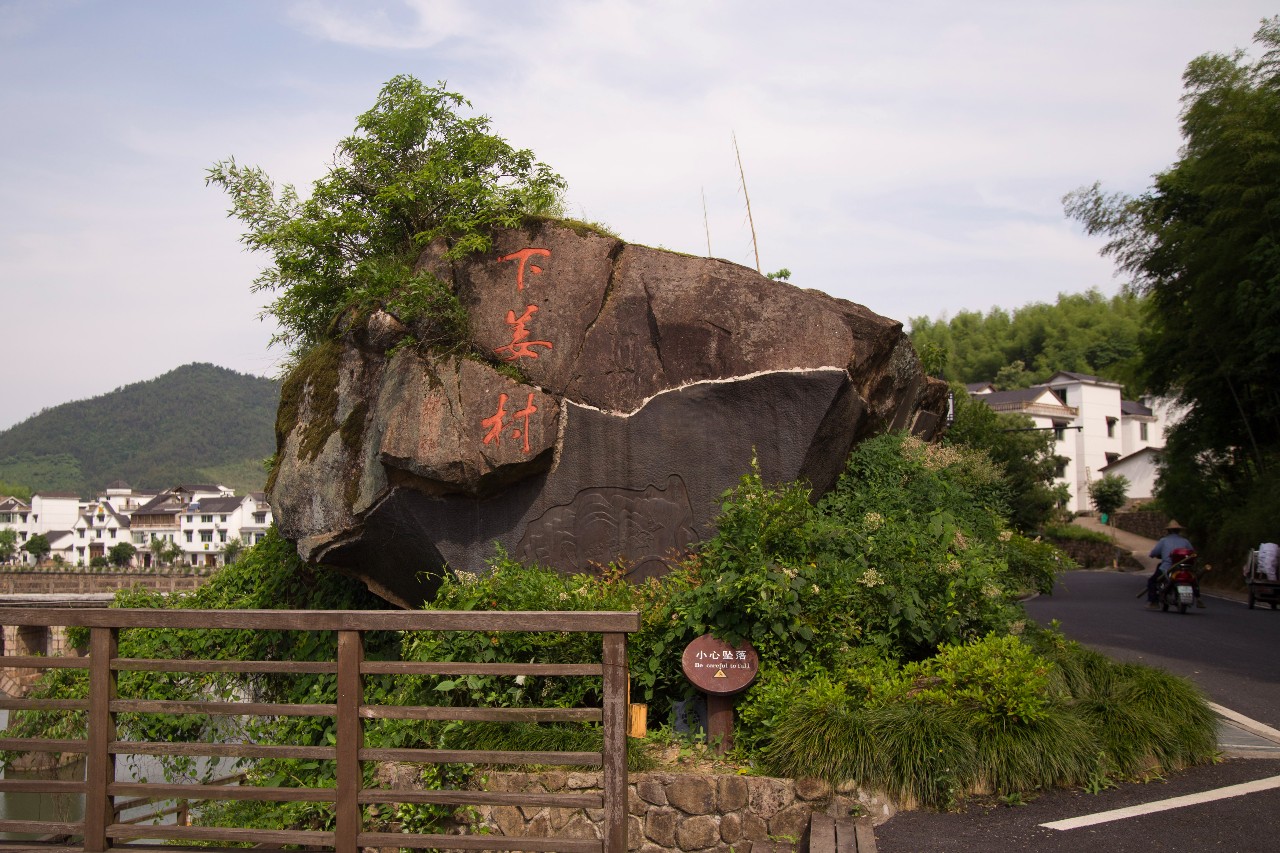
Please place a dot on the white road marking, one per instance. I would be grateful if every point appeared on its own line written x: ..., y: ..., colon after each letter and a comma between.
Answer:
x: 1262, y: 730
x: 1164, y: 805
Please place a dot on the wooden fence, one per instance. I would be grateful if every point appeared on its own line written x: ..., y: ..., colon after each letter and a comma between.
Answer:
x: 101, y: 829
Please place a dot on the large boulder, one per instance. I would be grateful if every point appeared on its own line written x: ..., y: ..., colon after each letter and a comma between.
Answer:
x: 611, y: 395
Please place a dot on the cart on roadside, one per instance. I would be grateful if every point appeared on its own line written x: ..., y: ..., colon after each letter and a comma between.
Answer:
x: 1260, y: 576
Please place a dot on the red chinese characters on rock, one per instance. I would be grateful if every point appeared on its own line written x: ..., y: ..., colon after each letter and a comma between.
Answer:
x: 497, y: 422
x: 522, y: 258
x: 521, y: 346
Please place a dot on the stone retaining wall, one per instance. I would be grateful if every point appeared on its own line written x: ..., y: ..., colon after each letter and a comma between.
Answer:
x: 46, y: 582
x: 682, y: 812
x: 1096, y: 555
x: 1142, y: 523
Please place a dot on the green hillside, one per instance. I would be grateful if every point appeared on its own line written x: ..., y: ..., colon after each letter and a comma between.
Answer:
x: 197, y: 424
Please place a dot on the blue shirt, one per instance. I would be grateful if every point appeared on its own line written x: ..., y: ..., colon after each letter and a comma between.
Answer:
x: 1167, y: 546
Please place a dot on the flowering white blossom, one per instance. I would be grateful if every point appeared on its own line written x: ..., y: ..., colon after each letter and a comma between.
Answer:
x: 870, y: 578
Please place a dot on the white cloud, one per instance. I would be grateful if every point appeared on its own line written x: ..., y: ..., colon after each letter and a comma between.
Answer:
x: 909, y: 156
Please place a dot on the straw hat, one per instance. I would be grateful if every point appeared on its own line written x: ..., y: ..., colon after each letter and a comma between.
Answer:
x: 1173, y: 525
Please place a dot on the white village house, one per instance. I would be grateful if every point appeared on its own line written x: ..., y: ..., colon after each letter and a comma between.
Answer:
x: 199, y: 519
x: 1096, y: 432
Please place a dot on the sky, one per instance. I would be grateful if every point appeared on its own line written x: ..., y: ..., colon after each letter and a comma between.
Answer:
x: 909, y: 156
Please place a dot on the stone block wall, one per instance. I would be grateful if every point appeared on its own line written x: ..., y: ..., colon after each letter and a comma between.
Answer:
x: 676, y: 812
x: 1142, y: 523
x: 46, y: 582
x: 1097, y: 555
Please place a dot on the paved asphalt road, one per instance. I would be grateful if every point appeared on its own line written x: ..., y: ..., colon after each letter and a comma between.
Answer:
x: 1232, y: 652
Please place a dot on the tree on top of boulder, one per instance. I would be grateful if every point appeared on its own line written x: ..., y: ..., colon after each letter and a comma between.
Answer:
x: 413, y: 171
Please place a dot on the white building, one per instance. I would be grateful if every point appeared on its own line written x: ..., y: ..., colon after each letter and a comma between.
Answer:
x: 200, y: 520
x: 1096, y: 432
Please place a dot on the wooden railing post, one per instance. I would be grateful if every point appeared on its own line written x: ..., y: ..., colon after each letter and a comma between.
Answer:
x: 100, y: 769
x: 615, y: 743
x: 347, y: 821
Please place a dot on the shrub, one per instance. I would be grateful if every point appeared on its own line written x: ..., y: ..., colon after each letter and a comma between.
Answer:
x: 1108, y: 493
x: 1077, y: 533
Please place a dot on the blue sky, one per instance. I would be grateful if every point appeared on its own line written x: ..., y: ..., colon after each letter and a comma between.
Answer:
x: 911, y: 157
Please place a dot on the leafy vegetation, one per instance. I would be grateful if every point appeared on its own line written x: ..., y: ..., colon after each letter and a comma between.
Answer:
x: 37, y: 546
x: 1108, y: 493
x: 1201, y: 249
x: 1076, y: 532
x: 894, y: 651
x: 1081, y: 332
x: 1025, y: 456
x: 194, y: 424
x: 414, y: 171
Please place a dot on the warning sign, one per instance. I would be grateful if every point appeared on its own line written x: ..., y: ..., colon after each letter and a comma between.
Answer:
x: 715, y: 667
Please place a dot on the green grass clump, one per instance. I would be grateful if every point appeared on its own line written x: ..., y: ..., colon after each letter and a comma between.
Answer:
x: 1076, y: 533
x: 925, y: 752
x: 1015, y: 756
x: 1000, y: 715
x: 825, y: 734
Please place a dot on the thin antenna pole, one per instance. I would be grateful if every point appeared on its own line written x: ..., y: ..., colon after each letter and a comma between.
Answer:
x: 705, y: 223
x: 742, y: 174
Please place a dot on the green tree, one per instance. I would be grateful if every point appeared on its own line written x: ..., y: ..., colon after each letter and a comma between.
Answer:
x: 1080, y: 332
x: 22, y: 493
x: 8, y: 544
x: 1108, y: 493
x: 413, y: 171
x: 233, y: 549
x: 1024, y: 454
x: 121, y: 553
x: 159, y: 551
x: 1203, y: 247
x: 1014, y: 375
x: 38, y: 547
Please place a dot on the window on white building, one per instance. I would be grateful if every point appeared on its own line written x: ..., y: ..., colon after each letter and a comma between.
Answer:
x: 206, y: 535
x: 206, y: 519
x: 222, y: 536
x: 188, y: 535
x: 1142, y: 431
x: 1111, y: 427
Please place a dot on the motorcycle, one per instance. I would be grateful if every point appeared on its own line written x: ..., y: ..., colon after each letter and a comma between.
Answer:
x: 1176, y: 587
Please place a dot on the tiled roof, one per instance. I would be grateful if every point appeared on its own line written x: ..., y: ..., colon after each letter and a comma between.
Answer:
x: 220, y: 504
x: 163, y: 503
x: 1018, y: 395
x: 1129, y: 407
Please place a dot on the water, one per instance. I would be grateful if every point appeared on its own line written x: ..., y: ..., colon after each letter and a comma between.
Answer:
x: 70, y: 807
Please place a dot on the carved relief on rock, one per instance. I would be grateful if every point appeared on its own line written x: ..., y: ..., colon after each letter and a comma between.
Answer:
x: 646, y: 528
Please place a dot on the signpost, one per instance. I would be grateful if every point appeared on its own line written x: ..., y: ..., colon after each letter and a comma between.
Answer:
x: 721, y: 671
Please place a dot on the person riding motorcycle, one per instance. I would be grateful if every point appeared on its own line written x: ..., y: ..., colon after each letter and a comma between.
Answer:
x: 1170, y: 542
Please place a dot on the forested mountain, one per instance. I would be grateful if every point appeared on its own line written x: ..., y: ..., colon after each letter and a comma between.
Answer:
x: 198, y: 423
x: 1081, y: 332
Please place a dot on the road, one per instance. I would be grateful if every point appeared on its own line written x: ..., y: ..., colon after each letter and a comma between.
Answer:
x: 1231, y: 652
